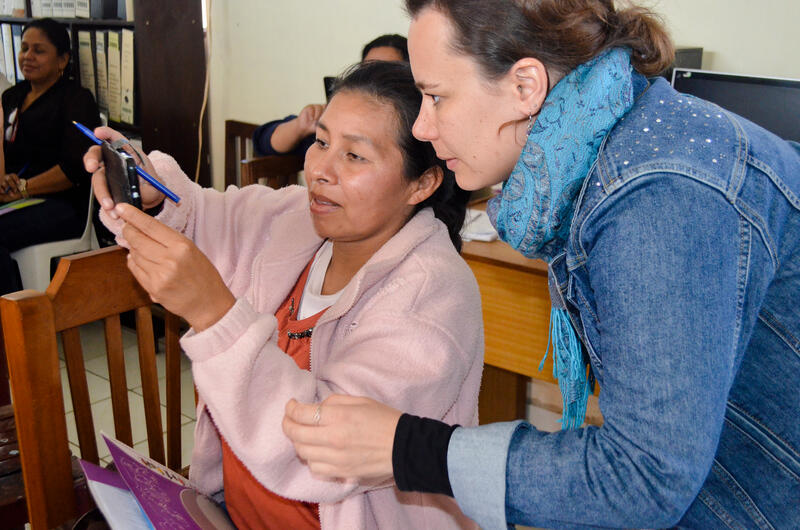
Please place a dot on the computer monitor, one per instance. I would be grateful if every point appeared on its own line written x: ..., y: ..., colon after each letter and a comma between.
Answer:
x: 771, y: 102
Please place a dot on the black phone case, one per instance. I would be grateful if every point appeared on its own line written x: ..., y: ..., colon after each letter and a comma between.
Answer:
x: 121, y: 177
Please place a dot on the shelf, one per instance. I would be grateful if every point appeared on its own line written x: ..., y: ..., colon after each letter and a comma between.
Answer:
x: 88, y: 22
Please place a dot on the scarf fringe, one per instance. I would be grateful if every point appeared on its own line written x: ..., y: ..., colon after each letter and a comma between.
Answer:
x: 568, y: 368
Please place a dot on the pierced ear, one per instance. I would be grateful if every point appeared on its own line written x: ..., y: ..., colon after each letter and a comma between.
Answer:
x: 530, y: 83
x: 426, y: 185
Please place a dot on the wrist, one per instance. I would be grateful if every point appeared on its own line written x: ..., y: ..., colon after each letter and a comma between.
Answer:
x: 212, y: 313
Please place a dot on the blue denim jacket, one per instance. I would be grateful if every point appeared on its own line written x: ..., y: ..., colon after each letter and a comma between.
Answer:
x: 682, y: 276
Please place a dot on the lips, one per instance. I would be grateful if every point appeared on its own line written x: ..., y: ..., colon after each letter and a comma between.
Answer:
x: 322, y: 204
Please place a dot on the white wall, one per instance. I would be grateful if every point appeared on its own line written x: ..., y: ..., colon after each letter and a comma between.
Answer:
x: 269, y: 56
x: 738, y: 36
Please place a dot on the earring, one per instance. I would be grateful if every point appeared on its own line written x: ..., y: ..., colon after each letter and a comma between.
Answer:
x: 530, y: 124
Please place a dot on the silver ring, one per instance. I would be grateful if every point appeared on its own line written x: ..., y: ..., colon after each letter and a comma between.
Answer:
x: 318, y: 414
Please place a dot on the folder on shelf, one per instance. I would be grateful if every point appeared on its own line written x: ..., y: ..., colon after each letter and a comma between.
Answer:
x: 125, y: 10
x: 47, y: 8
x: 82, y: 9
x: 36, y: 8
x: 67, y: 8
x: 114, y: 87
x: 126, y: 77
x: 17, y: 8
x: 8, y: 53
x: 16, y: 35
x: 2, y: 58
x: 86, y: 62
x: 58, y: 8
x: 102, y: 71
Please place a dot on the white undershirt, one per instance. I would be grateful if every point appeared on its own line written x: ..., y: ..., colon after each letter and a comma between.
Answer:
x: 313, y: 301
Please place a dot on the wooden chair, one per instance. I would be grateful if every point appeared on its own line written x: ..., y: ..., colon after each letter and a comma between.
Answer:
x: 242, y: 168
x: 87, y: 287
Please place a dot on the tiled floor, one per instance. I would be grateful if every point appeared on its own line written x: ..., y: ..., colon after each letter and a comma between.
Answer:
x: 93, y: 344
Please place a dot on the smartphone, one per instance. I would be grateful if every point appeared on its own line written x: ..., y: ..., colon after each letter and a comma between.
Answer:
x: 121, y: 177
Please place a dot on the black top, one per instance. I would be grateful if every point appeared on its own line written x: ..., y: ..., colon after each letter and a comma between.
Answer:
x: 45, y: 136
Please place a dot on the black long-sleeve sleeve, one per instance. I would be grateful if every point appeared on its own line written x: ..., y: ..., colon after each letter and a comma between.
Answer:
x: 419, y: 455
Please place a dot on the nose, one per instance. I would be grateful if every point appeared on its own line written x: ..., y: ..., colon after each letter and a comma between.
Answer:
x: 424, y: 128
x: 319, y: 166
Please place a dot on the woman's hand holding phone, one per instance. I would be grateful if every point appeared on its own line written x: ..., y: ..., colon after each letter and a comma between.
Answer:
x: 92, y: 161
x: 173, y: 271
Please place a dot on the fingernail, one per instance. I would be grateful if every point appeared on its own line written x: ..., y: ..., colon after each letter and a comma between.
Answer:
x: 108, y: 204
x: 113, y: 214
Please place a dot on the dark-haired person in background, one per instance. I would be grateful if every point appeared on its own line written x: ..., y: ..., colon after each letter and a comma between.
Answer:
x: 293, y: 135
x: 672, y: 232
x: 43, y: 149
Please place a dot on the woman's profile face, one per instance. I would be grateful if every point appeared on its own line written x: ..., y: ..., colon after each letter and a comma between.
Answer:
x: 473, y: 123
x: 38, y: 57
x: 354, y: 172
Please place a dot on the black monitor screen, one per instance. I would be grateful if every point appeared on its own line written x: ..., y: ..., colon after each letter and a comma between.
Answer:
x: 772, y: 103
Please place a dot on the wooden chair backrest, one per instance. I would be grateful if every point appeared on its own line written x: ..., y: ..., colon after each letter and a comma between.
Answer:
x: 242, y: 168
x: 87, y: 287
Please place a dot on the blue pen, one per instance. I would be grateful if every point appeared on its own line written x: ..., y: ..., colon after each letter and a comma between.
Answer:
x: 142, y: 173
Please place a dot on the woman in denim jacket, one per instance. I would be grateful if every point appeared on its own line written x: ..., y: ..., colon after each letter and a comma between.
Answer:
x: 672, y: 230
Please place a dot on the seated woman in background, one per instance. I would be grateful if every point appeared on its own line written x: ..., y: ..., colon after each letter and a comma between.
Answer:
x: 42, y: 148
x: 352, y: 286
x: 293, y: 135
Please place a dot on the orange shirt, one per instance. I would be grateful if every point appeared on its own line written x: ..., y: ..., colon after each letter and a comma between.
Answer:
x: 250, y: 504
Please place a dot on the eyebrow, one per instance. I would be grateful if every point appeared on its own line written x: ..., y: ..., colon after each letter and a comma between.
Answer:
x: 423, y: 86
x: 350, y: 137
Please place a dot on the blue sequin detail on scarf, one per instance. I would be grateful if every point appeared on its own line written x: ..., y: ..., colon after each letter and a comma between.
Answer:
x: 534, y: 212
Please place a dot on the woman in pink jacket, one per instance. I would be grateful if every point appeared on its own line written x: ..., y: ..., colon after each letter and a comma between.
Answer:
x: 357, y: 278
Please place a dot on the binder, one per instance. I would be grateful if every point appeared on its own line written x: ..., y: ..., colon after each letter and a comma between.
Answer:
x: 58, y: 8
x: 82, y: 9
x: 16, y: 35
x: 68, y: 8
x: 47, y: 8
x: 2, y: 58
x: 86, y: 62
x: 36, y: 8
x: 18, y: 8
x: 8, y: 52
x: 126, y: 77
x: 125, y: 10
x: 102, y: 71
x: 113, y: 57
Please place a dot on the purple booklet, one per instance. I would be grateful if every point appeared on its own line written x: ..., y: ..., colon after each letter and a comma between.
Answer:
x: 145, y: 494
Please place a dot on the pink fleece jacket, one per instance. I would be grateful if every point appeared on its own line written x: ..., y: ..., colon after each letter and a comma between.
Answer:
x: 406, y: 331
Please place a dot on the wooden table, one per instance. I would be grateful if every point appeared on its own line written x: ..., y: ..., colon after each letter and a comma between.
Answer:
x: 516, y: 317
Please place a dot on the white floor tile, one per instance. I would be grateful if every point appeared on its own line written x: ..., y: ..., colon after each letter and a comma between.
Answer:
x: 187, y: 443
x: 99, y: 366
x: 188, y: 407
x: 99, y: 388
x: 102, y: 416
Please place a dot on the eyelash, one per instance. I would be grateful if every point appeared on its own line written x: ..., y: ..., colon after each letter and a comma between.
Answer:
x: 435, y: 98
x: 352, y: 156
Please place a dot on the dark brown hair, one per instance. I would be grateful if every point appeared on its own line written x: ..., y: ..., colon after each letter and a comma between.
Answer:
x: 561, y: 33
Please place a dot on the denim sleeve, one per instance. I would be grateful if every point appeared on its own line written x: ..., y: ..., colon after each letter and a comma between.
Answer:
x: 476, y: 466
x: 664, y: 270
x: 262, y: 139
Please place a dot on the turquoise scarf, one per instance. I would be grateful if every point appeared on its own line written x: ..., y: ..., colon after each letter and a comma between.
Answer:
x: 534, y: 211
